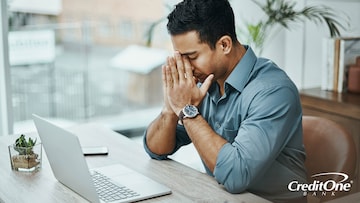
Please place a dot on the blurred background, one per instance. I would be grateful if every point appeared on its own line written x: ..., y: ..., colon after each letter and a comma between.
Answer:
x: 90, y: 60
x: 76, y: 61
x: 64, y: 57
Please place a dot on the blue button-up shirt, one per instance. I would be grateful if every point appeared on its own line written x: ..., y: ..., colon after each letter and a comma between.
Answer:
x: 260, y: 116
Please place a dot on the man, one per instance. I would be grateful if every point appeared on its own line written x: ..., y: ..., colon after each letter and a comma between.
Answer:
x: 242, y: 113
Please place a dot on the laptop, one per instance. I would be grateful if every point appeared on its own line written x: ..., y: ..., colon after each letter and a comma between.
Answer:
x: 69, y: 166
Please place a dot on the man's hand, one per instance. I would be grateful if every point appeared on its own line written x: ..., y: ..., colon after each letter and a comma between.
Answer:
x: 180, y: 85
x: 167, y: 108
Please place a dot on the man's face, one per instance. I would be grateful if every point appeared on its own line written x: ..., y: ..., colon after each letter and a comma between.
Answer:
x: 204, y: 60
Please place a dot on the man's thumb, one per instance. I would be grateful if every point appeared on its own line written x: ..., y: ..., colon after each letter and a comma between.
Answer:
x: 206, y: 85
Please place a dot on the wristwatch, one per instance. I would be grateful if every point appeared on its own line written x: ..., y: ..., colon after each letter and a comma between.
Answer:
x: 189, y: 111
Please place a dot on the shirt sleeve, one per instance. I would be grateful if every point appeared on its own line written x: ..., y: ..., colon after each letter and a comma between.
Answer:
x: 182, y: 139
x: 261, y: 137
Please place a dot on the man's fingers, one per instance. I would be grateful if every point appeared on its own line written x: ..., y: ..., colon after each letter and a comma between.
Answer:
x: 206, y: 85
x: 173, y: 69
x: 180, y: 66
x: 168, y: 76
x: 163, y: 75
x: 188, y: 69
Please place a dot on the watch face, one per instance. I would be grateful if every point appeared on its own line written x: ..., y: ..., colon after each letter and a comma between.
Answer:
x: 190, y: 111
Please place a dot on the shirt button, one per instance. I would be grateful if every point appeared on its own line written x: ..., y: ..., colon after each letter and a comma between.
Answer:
x: 217, y: 125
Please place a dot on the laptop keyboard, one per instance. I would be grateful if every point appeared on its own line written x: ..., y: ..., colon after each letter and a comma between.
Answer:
x: 109, y: 191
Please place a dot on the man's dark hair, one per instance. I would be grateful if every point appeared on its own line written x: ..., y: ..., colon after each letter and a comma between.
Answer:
x: 211, y: 19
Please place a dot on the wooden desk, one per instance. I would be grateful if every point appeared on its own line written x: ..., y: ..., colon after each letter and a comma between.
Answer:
x: 188, y: 185
x: 343, y: 108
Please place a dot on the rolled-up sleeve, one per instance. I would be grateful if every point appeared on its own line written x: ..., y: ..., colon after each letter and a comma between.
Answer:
x: 182, y: 139
x: 262, y: 135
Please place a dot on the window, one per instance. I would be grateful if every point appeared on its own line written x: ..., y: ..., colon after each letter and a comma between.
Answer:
x: 126, y: 30
x: 69, y: 75
x: 5, y: 109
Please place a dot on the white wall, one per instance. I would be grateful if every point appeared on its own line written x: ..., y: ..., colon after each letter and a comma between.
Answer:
x: 298, y: 51
x: 314, y: 36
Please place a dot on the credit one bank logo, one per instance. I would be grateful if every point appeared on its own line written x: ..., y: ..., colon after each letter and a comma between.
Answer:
x: 322, y: 188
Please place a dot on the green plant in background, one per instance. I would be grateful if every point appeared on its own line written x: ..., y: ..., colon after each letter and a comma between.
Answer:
x: 23, y: 146
x: 283, y: 13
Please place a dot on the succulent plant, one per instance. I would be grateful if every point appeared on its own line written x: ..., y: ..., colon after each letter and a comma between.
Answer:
x: 23, y: 146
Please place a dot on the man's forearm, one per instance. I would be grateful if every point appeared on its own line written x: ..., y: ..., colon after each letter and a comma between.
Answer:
x: 160, y: 137
x: 205, y: 140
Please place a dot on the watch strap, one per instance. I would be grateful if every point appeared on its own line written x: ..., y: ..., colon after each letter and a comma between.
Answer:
x: 181, y: 117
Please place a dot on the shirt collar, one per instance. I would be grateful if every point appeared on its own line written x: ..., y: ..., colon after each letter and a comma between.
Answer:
x: 240, y: 76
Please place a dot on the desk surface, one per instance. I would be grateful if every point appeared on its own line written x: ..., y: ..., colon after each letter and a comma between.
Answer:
x: 344, y: 104
x: 187, y: 184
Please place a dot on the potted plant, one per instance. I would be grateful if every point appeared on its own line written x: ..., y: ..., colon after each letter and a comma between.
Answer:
x: 282, y: 14
x: 25, y: 155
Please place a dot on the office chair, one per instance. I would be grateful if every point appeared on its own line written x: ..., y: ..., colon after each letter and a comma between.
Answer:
x: 329, y: 148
